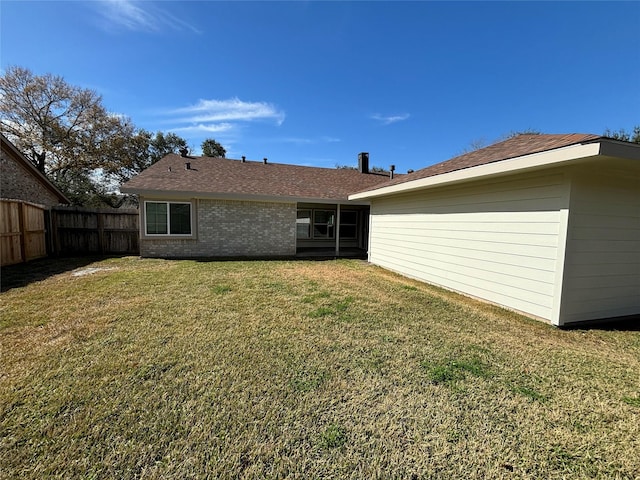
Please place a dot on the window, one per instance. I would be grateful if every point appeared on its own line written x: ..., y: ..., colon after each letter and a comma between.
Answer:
x: 323, y: 223
x: 348, y: 224
x: 168, y: 218
x: 303, y: 224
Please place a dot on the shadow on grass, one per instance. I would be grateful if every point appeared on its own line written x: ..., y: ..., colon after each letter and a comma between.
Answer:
x: 22, y: 274
x: 629, y: 323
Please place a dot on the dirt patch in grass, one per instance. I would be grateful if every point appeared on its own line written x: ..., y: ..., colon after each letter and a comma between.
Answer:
x: 180, y: 369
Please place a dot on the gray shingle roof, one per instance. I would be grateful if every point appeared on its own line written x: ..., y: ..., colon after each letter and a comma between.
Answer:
x: 524, y: 144
x: 234, y: 177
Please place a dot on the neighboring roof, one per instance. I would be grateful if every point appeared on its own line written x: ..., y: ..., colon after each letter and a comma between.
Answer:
x: 515, y: 154
x: 225, y: 178
x: 23, y: 161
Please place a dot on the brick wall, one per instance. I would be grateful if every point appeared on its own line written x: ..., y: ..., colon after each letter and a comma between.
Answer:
x: 227, y: 228
x: 19, y: 184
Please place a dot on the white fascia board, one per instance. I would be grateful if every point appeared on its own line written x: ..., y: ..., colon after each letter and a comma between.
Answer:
x: 527, y: 162
x: 176, y: 195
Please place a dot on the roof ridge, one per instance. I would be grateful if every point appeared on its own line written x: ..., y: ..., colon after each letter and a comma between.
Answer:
x: 512, y: 147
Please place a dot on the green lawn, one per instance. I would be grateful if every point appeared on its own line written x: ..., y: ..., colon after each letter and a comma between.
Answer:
x: 184, y: 369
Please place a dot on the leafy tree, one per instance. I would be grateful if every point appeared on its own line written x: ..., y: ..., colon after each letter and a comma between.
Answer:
x: 163, y: 144
x: 623, y: 135
x: 57, y: 125
x: 70, y: 136
x: 211, y: 148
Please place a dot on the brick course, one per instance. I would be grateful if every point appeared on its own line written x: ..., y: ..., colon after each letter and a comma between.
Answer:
x: 229, y: 228
x: 17, y: 183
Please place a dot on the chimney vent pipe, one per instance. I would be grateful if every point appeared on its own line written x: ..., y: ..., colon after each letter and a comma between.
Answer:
x: 244, y: 159
x: 187, y: 165
x: 264, y: 160
x: 363, y: 162
x: 184, y: 152
x: 392, y: 169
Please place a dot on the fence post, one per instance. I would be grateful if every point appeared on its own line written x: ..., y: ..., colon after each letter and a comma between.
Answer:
x: 101, y: 239
x: 55, y: 238
x: 23, y: 233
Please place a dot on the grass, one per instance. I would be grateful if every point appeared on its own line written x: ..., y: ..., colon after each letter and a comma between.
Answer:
x: 184, y: 369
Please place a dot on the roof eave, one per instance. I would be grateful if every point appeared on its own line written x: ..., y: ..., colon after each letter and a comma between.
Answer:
x: 179, y: 194
x: 556, y: 157
x: 41, y: 177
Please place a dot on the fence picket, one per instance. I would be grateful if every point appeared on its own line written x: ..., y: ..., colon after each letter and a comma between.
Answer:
x: 26, y: 229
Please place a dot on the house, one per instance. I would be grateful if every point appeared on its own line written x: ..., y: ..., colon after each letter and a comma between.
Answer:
x: 548, y: 225
x: 26, y: 196
x: 21, y: 180
x: 216, y: 207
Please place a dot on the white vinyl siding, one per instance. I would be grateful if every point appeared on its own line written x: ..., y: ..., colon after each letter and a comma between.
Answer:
x: 602, y: 272
x: 498, y: 240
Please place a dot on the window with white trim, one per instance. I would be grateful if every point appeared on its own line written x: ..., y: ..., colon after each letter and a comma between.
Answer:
x: 167, y: 218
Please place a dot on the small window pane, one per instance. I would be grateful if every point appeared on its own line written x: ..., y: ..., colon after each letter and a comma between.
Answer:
x: 302, y: 231
x: 324, y: 216
x: 303, y: 224
x: 320, y: 231
x: 156, y: 217
x: 304, y: 214
x: 347, y: 231
x: 180, y: 215
x: 350, y: 218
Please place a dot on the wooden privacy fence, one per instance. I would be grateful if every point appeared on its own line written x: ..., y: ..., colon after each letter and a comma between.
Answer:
x: 29, y: 231
x: 22, y: 232
x: 78, y: 230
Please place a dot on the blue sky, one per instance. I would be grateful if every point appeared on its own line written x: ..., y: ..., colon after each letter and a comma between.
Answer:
x: 314, y: 83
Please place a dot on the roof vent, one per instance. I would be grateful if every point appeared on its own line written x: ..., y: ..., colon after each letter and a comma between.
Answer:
x: 410, y: 171
x: 392, y: 169
x: 264, y: 160
x: 244, y: 159
x: 187, y: 165
x: 184, y: 152
x: 363, y: 162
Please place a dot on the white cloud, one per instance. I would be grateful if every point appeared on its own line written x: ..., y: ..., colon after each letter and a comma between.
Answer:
x: 202, y: 128
x: 296, y: 141
x: 389, y: 119
x: 307, y: 141
x: 226, y: 119
x: 140, y: 16
x: 232, y: 109
x: 330, y: 140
